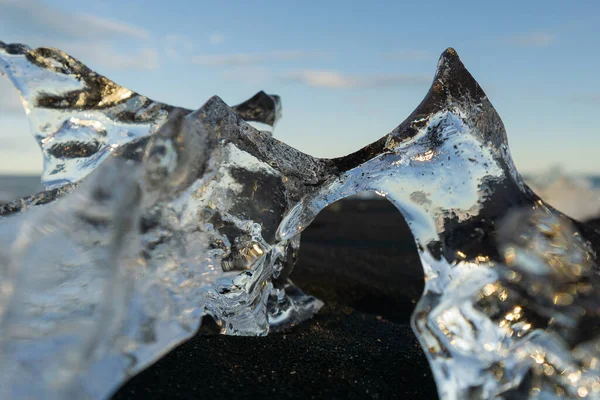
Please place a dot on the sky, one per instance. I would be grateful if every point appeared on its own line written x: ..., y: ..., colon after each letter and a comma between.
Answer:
x: 348, y: 72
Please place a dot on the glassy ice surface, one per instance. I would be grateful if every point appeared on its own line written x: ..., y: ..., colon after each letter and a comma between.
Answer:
x: 138, y: 237
x: 157, y: 216
x: 510, y: 313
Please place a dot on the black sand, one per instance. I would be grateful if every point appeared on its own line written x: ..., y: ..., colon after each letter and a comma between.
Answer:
x: 358, y: 256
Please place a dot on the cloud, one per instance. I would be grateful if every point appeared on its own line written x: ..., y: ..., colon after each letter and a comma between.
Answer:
x: 532, y: 39
x: 216, y: 38
x: 95, y: 25
x: 106, y: 56
x: 239, y: 59
x: 35, y: 18
x: 10, y: 103
x: 338, y: 80
x: 146, y: 58
x: 409, y: 55
x: 101, y: 42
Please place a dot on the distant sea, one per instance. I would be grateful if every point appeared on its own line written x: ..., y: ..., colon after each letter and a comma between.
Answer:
x: 13, y: 187
x: 577, y: 196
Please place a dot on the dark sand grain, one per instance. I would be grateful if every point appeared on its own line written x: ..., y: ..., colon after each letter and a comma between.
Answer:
x: 358, y: 256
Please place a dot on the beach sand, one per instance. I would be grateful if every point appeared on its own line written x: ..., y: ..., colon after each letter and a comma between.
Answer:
x: 359, y: 258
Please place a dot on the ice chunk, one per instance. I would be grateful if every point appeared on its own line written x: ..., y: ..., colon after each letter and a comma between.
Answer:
x: 199, y: 239
x: 204, y: 243
x: 79, y: 117
x: 484, y: 325
x: 64, y: 297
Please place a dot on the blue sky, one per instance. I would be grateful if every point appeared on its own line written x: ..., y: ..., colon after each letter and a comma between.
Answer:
x: 348, y: 71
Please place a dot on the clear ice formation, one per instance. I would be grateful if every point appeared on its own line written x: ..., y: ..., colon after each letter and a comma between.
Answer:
x: 102, y: 274
x: 156, y: 216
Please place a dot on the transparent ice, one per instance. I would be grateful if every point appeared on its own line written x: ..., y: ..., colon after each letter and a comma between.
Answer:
x: 157, y: 216
x: 509, y: 308
x: 154, y: 218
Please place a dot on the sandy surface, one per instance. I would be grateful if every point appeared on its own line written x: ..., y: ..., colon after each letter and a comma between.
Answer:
x: 357, y: 256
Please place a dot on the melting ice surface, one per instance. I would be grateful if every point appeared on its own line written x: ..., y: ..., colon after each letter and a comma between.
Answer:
x: 510, y: 306
x: 156, y: 216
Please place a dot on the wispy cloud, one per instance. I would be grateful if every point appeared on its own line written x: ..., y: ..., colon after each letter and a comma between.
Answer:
x: 408, y: 55
x: 93, y: 39
x: 338, y: 80
x: 532, y: 39
x: 146, y: 58
x: 239, y: 59
x: 101, y: 26
x: 216, y: 38
x: 9, y: 99
x: 34, y: 17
